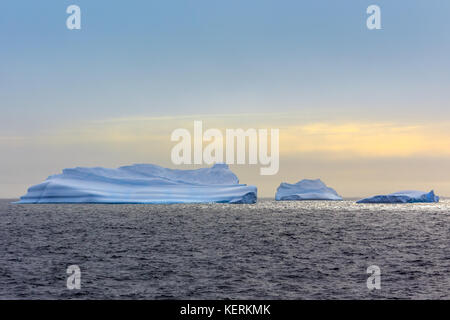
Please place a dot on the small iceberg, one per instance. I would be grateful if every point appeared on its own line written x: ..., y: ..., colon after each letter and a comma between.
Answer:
x: 142, y: 183
x: 403, y: 197
x: 306, y: 190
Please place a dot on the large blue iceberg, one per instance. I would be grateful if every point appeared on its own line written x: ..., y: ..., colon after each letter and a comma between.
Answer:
x: 306, y: 190
x: 142, y: 183
x: 403, y: 197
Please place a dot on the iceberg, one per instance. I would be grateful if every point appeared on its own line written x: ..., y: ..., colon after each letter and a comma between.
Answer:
x: 142, y: 183
x: 306, y: 190
x: 409, y: 196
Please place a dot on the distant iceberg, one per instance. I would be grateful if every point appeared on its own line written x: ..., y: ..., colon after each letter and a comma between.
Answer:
x: 306, y: 190
x: 403, y: 197
x: 142, y: 183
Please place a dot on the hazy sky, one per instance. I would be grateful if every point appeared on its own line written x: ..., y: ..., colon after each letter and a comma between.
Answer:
x: 367, y: 111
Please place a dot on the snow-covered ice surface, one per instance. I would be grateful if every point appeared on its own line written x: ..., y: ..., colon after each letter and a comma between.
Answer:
x: 142, y: 183
x: 306, y: 190
x: 409, y: 196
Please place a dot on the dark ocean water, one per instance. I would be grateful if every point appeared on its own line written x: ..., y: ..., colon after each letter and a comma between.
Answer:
x: 271, y: 250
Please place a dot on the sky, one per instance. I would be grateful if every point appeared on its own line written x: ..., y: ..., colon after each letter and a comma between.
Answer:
x: 367, y: 111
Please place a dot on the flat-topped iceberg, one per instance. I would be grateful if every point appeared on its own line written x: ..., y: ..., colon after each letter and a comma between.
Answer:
x: 142, y: 183
x: 306, y: 190
x: 409, y: 196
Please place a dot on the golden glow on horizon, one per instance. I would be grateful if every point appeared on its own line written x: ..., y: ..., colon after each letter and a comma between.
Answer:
x: 344, y: 139
x: 368, y: 140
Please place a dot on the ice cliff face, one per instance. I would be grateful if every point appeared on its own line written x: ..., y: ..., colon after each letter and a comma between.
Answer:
x: 306, y: 190
x: 403, y: 197
x: 142, y: 183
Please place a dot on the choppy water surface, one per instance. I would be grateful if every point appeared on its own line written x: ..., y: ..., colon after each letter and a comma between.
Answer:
x: 271, y: 250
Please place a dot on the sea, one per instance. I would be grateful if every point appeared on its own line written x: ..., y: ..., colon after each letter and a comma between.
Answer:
x: 268, y: 250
